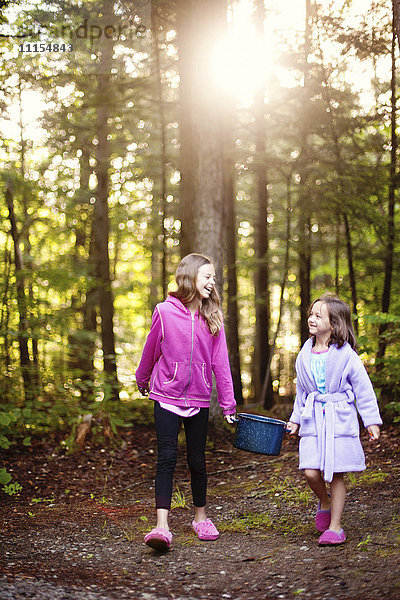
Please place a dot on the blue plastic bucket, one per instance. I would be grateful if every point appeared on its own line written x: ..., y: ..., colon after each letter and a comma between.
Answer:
x: 262, y: 435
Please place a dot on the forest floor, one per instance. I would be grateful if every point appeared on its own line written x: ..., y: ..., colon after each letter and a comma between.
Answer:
x: 76, y: 529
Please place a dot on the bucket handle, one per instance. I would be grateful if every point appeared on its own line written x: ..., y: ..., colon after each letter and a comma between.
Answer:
x: 236, y: 420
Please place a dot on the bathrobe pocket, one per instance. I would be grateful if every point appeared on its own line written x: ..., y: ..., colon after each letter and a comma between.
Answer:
x: 307, y: 426
x: 346, y: 422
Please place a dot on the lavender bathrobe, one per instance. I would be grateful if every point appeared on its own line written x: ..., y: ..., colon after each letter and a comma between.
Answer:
x: 330, y: 433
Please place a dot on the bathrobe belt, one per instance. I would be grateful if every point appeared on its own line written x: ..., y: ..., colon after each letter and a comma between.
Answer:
x: 325, y: 425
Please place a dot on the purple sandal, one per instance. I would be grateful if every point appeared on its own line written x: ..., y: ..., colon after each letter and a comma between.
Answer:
x: 159, y: 539
x: 332, y: 538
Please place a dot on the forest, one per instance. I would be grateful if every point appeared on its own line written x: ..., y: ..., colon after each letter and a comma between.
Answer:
x: 263, y: 134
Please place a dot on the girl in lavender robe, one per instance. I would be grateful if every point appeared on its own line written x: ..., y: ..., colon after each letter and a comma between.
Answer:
x: 332, y: 385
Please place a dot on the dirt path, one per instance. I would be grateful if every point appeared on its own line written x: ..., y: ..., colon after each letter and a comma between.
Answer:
x: 76, y: 530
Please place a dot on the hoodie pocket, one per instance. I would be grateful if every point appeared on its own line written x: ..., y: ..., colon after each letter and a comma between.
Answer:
x: 200, y: 387
x: 172, y: 379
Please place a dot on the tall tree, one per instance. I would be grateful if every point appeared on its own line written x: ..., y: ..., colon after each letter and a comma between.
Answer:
x: 162, y: 204
x: 22, y: 301
x: 267, y: 376
x: 304, y: 209
x: 200, y: 24
x: 391, y: 231
x: 26, y: 239
x: 396, y: 14
x: 231, y: 269
x: 261, y: 282
x: 101, y: 212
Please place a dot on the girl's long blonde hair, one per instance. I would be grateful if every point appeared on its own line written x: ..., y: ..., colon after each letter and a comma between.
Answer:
x: 186, y: 276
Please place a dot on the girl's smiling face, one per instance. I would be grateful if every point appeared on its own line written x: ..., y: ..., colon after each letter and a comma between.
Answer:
x: 205, y: 280
x: 319, y: 323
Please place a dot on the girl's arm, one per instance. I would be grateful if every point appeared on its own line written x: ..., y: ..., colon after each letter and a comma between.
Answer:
x: 366, y: 402
x: 151, y: 352
x: 222, y: 371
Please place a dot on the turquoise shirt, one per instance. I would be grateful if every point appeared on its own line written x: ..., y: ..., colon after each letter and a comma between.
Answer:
x: 318, y: 361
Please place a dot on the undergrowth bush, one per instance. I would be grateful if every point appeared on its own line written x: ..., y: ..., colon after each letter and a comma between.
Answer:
x: 385, y: 374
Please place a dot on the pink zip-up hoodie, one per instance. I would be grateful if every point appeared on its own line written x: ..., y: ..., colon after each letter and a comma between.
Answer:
x: 179, y: 357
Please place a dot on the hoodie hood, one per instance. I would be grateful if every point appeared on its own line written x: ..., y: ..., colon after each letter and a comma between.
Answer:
x: 178, y: 303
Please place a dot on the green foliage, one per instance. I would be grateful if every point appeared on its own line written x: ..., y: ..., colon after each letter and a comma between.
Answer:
x: 364, y: 544
x: 178, y: 500
x: 5, y: 477
x: 40, y: 500
x: 7, y: 420
x: 284, y: 491
x: 386, y: 375
x: 368, y: 477
x: 12, y: 488
x: 244, y: 522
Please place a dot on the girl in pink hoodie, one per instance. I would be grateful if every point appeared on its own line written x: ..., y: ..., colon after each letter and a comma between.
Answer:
x: 186, y: 345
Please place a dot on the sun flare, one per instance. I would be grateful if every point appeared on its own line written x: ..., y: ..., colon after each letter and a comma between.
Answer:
x: 244, y: 59
x: 240, y: 64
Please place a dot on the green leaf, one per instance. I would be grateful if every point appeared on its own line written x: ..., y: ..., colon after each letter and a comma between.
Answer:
x: 4, y: 476
x: 4, y: 442
x: 27, y: 441
x: 5, y: 419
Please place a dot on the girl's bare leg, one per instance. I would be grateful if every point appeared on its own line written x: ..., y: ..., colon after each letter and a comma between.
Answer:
x: 199, y: 513
x: 318, y: 486
x: 338, y: 494
x: 162, y: 518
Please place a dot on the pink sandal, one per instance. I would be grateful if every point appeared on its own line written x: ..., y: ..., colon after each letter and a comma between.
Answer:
x: 332, y: 538
x: 205, y: 530
x: 159, y: 539
x: 322, y: 519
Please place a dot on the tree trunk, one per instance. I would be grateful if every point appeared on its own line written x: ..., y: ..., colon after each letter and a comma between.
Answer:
x: 337, y: 256
x: 232, y: 326
x: 201, y: 199
x: 187, y: 156
x: 25, y: 360
x: 304, y: 210
x: 162, y: 209
x: 102, y: 212
x: 267, y: 377
x: 388, y: 265
x: 352, y: 276
x: 35, y: 373
x: 82, y: 341
x: 200, y: 23
x: 396, y: 18
x: 261, y: 282
x: 4, y: 322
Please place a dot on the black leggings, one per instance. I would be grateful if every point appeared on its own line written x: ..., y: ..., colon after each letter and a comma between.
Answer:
x: 167, y: 428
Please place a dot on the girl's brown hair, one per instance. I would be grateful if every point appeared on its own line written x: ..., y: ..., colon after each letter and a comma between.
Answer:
x: 340, y: 320
x: 186, y: 276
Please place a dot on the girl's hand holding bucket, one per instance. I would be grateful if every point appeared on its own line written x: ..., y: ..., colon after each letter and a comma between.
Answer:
x: 230, y: 418
x: 291, y: 428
